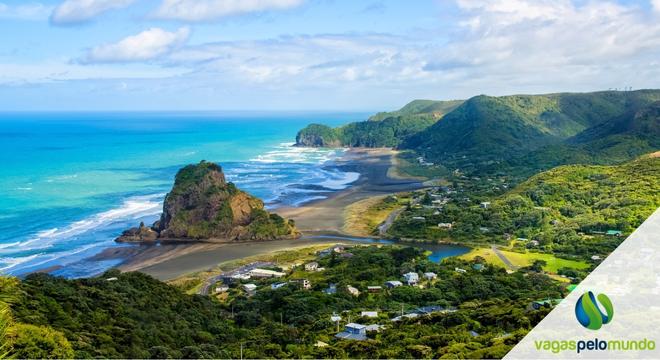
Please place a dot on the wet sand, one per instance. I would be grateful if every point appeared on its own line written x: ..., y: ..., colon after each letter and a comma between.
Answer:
x: 317, y: 218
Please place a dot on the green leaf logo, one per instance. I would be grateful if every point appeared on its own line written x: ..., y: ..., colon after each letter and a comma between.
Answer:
x: 589, y: 314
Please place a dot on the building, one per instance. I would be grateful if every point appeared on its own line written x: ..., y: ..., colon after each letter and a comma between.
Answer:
x: 485, y: 204
x: 353, y: 291
x: 460, y: 271
x: 430, y: 276
x: 374, y: 289
x: 353, y: 331
x: 221, y: 289
x: 369, y: 314
x: 613, y: 233
x: 534, y: 243
x: 419, y: 218
x: 250, y: 289
x: 264, y: 273
x: 445, y: 225
x: 411, y: 278
x: 393, y: 283
x: 595, y: 257
x: 536, y: 305
x: 277, y: 285
x: 331, y: 289
x: 311, y: 266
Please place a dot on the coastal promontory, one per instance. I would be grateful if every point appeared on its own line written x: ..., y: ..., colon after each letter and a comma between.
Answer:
x: 202, y: 205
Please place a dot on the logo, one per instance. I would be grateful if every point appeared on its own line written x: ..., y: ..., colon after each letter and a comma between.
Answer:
x: 588, y: 312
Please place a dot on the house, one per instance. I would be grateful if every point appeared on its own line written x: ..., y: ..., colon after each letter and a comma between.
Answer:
x: 406, y: 316
x: 536, y: 305
x: 411, y: 278
x: 353, y: 291
x: 445, y: 225
x: 264, y: 273
x: 595, y: 257
x: 375, y: 327
x: 304, y: 283
x: 277, y: 285
x: 320, y: 344
x: 393, y: 283
x: 419, y: 218
x: 430, y: 275
x: 484, y: 229
x: 613, y: 233
x: 332, y: 289
x: 250, y: 289
x: 534, y: 243
x: 353, y: 331
x: 428, y: 310
x: 485, y: 204
x: 221, y: 289
x: 311, y: 266
x: 459, y: 270
x: 374, y: 289
x: 369, y: 314
x: 240, y: 276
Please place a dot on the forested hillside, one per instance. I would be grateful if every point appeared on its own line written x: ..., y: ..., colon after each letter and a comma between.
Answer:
x: 475, y: 313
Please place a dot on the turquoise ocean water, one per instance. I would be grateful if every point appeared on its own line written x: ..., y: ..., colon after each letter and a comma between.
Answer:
x: 71, y: 182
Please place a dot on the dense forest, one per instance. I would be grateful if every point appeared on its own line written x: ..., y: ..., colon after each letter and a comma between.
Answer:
x: 131, y: 315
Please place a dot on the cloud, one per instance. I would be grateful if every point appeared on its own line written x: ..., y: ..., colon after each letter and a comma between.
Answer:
x: 30, y: 11
x: 147, y: 45
x: 656, y: 5
x: 81, y: 11
x: 206, y: 10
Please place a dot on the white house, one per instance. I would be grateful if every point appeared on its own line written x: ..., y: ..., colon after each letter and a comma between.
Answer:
x: 445, y: 225
x: 369, y: 314
x: 311, y: 266
x: 430, y: 275
x: 250, y: 289
x: 353, y: 291
x: 221, y: 289
x: 265, y: 273
x: 485, y: 204
x: 411, y: 278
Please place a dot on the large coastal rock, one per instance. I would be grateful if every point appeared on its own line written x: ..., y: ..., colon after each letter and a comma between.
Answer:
x: 317, y: 135
x: 203, y: 205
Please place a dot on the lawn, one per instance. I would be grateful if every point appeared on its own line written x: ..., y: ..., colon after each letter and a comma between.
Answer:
x: 363, y: 217
x: 519, y: 259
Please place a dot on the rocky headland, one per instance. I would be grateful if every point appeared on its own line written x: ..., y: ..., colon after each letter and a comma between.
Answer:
x: 202, y: 205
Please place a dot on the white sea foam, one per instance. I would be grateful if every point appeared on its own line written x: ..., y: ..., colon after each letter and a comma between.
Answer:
x: 342, y: 181
x: 287, y: 153
x: 132, y: 208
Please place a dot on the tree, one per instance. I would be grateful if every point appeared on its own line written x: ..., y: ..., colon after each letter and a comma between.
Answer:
x: 39, y: 342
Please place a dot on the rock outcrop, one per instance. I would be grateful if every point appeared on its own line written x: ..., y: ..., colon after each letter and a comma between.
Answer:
x: 203, y: 205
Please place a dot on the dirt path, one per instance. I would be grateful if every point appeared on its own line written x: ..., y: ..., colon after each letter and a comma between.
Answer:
x: 382, y: 228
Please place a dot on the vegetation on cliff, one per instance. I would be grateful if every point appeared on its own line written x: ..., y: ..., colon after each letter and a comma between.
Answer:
x: 203, y: 205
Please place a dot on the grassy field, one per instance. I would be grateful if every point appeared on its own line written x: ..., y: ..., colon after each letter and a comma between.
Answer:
x: 553, y: 264
x: 407, y: 167
x: 363, y: 217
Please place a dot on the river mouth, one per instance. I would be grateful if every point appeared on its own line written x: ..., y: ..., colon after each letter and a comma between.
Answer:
x: 438, y: 252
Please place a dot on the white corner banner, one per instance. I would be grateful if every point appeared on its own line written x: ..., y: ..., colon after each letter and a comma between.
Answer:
x: 613, y: 313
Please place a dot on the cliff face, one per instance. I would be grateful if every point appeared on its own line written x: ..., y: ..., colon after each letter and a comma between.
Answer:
x: 317, y: 135
x: 203, y: 205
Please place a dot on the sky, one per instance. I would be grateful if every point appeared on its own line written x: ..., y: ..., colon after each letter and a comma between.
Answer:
x: 326, y: 55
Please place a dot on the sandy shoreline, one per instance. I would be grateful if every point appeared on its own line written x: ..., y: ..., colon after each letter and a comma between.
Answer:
x: 320, y: 217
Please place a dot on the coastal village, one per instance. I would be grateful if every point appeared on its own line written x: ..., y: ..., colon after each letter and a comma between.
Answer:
x: 356, y: 323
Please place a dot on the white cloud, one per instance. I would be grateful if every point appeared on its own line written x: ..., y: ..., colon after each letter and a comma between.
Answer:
x: 29, y: 11
x: 205, y: 10
x: 80, y: 11
x: 656, y: 5
x: 147, y: 45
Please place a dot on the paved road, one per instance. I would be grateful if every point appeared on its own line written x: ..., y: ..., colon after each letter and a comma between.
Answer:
x: 506, y: 261
x: 382, y: 228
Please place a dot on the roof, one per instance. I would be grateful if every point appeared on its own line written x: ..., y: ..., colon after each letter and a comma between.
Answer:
x: 374, y: 287
x: 430, y: 274
x: 350, y: 336
x: 369, y: 313
x: 250, y: 287
x: 355, y: 326
x: 613, y: 232
x: 394, y: 282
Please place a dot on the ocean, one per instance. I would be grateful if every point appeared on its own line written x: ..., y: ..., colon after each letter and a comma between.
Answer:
x: 71, y: 182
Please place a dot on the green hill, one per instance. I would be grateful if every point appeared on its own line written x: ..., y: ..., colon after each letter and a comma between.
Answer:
x: 386, y: 129
x: 486, y: 130
x: 560, y: 208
